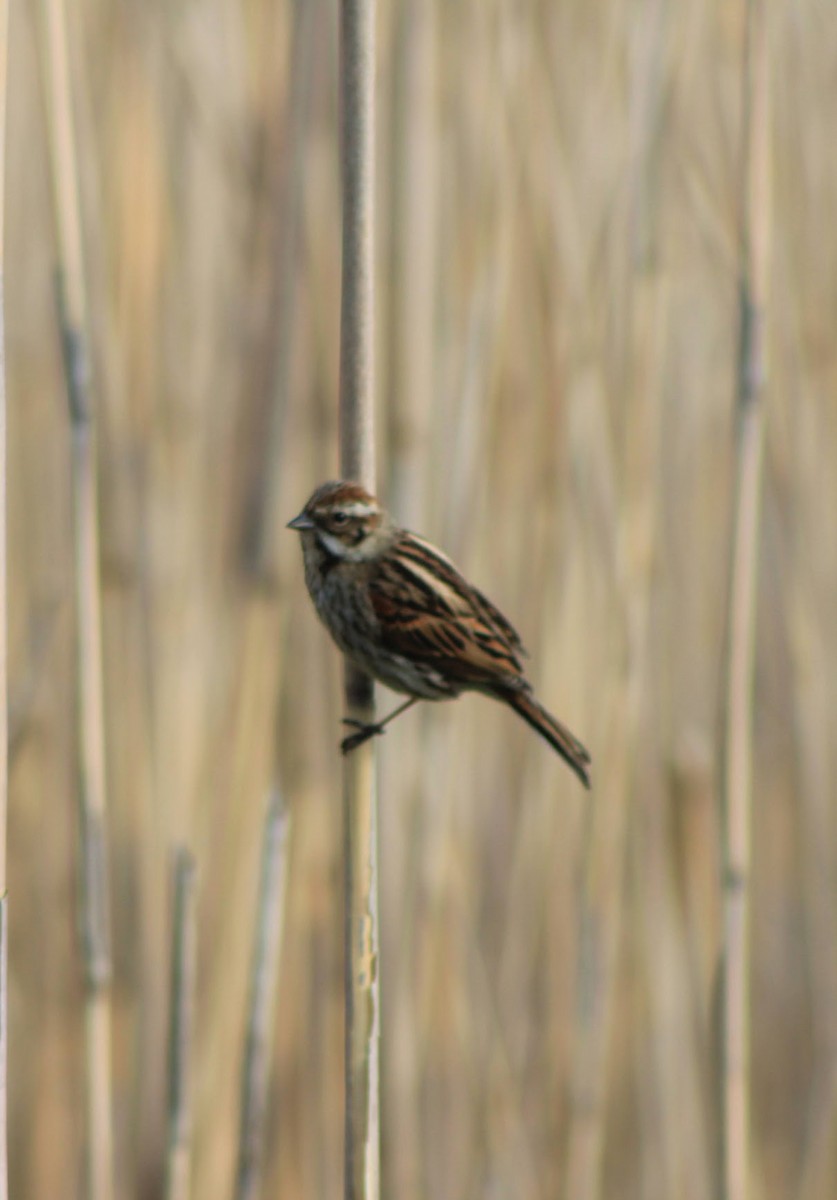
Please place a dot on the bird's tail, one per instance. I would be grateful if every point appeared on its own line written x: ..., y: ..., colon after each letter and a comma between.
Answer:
x: 549, y: 727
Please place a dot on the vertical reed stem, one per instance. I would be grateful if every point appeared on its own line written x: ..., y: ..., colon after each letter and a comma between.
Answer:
x: 357, y: 299
x: 4, y: 922
x: 263, y: 552
x: 264, y: 974
x: 72, y: 306
x: 357, y: 461
x: 181, y: 1025
x: 94, y: 915
x: 4, y: 1011
x: 736, y: 783
x: 411, y: 324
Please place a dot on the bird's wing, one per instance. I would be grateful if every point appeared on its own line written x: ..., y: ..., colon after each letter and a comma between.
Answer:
x: 428, y: 612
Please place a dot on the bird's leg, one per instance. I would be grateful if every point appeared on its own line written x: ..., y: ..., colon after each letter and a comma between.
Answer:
x: 366, y: 731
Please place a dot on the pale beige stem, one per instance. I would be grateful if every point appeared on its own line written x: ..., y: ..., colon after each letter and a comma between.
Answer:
x: 736, y: 780
x: 94, y: 917
x: 264, y: 976
x: 4, y: 922
x: 4, y: 25
x: 264, y: 550
x: 357, y: 461
x: 411, y: 354
x: 357, y: 300
x: 181, y: 1028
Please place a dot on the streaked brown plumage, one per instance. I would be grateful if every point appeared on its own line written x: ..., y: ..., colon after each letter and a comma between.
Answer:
x: 400, y: 610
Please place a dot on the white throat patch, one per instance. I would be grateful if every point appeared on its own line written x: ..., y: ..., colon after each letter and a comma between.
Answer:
x: 340, y: 550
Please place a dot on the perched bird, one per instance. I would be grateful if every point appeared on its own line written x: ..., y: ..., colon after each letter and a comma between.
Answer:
x: 403, y: 613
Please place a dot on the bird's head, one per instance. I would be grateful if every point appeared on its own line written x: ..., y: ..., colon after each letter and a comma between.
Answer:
x: 344, y: 521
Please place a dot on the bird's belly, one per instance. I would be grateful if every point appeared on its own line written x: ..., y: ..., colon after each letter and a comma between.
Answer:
x: 404, y: 675
x: 354, y: 626
x: 397, y: 672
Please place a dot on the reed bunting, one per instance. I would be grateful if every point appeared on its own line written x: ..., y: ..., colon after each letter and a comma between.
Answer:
x: 403, y: 613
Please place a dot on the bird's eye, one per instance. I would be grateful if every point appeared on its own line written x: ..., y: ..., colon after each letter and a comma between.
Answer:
x: 340, y: 518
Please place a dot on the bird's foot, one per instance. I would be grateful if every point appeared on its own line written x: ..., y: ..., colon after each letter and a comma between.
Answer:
x: 363, y: 734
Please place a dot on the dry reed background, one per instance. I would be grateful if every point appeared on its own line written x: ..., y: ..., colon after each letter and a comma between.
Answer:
x: 557, y: 323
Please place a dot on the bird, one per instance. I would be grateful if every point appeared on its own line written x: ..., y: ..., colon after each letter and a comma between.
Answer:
x: 401, y: 611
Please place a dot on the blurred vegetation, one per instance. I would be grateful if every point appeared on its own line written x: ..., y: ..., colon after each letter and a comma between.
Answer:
x: 556, y: 334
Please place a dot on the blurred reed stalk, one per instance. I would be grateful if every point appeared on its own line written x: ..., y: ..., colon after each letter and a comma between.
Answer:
x: 737, y: 729
x: 263, y: 544
x: 72, y: 308
x: 181, y: 1028
x: 633, y: 468
x: 4, y: 716
x: 264, y: 976
x: 357, y: 461
x: 411, y: 357
x: 412, y: 257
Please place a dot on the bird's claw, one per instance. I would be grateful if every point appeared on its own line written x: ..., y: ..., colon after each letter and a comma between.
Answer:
x: 353, y: 721
x: 364, y: 733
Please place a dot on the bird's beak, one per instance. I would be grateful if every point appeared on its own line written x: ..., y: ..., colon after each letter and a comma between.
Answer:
x: 303, y: 521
